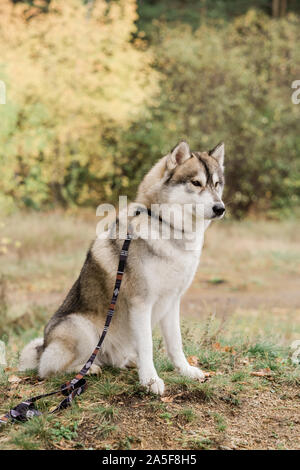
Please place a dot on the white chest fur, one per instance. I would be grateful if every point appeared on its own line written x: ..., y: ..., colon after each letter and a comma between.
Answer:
x: 169, y: 273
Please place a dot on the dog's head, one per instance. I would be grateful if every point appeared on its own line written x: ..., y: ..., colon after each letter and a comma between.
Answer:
x: 185, y: 177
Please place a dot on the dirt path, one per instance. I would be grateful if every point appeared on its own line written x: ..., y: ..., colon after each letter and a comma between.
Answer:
x: 224, y: 297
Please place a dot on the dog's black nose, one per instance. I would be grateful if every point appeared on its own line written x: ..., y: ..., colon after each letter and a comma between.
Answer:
x: 218, y: 209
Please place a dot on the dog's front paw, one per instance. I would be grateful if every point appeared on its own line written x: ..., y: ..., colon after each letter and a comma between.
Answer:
x: 192, y: 372
x: 154, y: 385
x: 94, y: 370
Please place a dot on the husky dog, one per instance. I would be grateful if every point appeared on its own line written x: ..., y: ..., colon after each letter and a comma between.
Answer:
x: 157, y: 274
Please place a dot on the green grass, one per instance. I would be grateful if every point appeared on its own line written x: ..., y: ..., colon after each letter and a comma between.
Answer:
x: 199, y: 443
x: 106, y: 395
x: 107, y: 412
x: 59, y: 432
x: 220, y: 422
x: 230, y: 379
x: 188, y: 414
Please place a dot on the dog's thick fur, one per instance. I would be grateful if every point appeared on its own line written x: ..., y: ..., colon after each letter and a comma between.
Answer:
x: 158, y: 272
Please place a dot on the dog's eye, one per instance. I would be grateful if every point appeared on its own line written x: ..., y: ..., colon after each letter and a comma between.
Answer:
x: 217, y: 184
x: 196, y: 183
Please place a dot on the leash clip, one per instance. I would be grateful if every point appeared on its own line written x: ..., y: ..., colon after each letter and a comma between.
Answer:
x: 24, y: 411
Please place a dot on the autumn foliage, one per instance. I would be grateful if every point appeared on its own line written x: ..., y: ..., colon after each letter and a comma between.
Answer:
x: 72, y: 82
x: 92, y: 102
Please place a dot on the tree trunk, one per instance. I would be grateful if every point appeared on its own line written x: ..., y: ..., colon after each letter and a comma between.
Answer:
x: 275, y: 8
x: 279, y: 8
x: 283, y: 7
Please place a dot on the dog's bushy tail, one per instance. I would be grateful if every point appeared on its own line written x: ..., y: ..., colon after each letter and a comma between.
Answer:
x: 30, y: 355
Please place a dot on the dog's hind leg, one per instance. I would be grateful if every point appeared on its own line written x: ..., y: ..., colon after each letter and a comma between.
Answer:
x: 57, y: 357
x: 69, y: 345
x: 29, y: 357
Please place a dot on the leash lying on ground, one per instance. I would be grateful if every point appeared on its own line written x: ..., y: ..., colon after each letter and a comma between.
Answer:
x: 26, y: 409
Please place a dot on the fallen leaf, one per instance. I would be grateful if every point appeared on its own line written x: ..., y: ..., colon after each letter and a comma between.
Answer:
x: 193, y: 360
x: 13, y: 379
x: 167, y: 399
x: 262, y: 372
x: 230, y: 349
x: 13, y: 394
x: 209, y: 374
x: 280, y: 360
x: 171, y: 398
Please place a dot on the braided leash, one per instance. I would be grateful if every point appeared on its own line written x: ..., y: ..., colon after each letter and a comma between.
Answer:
x: 26, y: 409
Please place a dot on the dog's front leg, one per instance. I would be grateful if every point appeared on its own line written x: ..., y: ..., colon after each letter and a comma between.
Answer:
x: 140, y: 320
x: 170, y: 327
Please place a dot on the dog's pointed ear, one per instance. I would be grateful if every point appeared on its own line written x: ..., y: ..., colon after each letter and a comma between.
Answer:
x: 178, y: 155
x: 218, y: 152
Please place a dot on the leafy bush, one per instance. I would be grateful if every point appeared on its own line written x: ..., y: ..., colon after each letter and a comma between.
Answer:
x: 72, y: 83
x: 233, y: 83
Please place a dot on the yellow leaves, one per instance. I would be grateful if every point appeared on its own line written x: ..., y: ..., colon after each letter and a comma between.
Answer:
x: 193, y: 361
x: 69, y: 78
x: 228, y: 349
